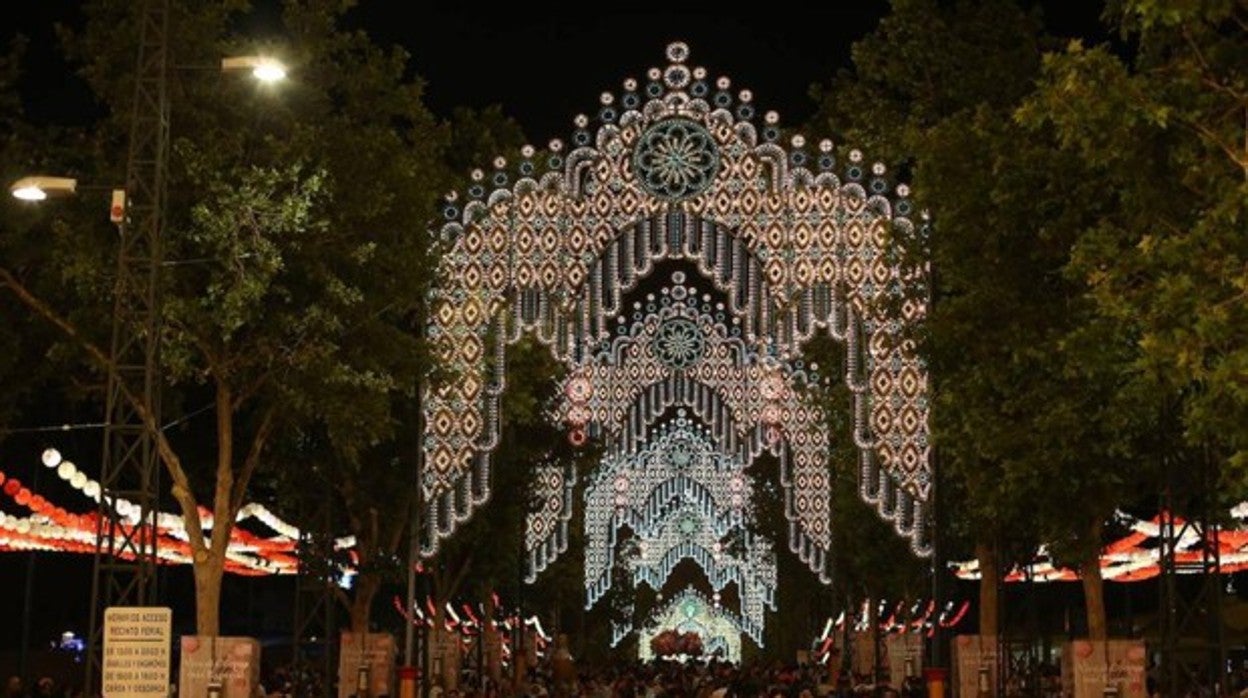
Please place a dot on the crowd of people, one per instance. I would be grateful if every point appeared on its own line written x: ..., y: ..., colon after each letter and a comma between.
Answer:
x: 44, y: 687
x: 561, y: 678
x: 693, y: 679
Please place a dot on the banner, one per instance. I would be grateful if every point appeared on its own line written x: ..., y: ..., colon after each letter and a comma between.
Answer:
x: 233, y: 663
x: 1090, y: 668
x: 864, y: 661
x: 971, y: 655
x: 444, y: 657
x: 898, y: 649
x: 373, y: 653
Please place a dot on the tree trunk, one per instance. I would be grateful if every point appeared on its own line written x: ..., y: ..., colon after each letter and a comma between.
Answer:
x: 989, y: 588
x: 492, y: 637
x: 1094, y: 584
x: 208, y: 574
x: 366, y: 586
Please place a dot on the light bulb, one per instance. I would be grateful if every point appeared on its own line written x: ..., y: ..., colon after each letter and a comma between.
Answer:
x: 269, y: 71
x: 31, y: 193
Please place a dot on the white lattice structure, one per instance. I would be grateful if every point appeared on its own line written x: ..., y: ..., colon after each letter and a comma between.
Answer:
x: 689, y: 611
x: 677, y: 256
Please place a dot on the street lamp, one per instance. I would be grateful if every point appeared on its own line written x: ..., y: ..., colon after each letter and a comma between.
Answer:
x: 40, y: 187
x: 36, y: 188
x: 129, y: 451
x: 263, y: 68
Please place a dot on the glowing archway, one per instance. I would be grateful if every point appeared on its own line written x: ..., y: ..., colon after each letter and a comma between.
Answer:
x: 689, y: 611
x: 677, y: 169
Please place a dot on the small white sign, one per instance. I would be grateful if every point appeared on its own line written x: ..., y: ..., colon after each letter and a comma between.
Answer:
x: 136, y: 651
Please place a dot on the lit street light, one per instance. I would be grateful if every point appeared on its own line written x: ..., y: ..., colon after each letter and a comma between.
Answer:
x: 40, y: 187
x: 263, y: 68
x: 125, y: 560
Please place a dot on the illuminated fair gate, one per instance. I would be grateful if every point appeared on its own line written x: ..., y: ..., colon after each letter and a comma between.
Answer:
x: 681, y: 500
x: 677, y: 470
x: 676, y: 258
x: 686, y: 537
x: 689, y: 611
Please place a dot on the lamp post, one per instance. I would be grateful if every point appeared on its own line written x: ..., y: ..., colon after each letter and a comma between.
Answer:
x: 263, y: 68
x: 40, y: 187
x: 125, y: 557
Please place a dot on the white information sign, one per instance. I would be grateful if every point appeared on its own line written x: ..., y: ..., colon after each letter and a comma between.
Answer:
x: 136, y: 651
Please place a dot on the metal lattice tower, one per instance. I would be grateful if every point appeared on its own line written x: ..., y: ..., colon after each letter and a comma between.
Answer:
x: 1193, y: 643
x: 125, y: 558
x: 315, y: 601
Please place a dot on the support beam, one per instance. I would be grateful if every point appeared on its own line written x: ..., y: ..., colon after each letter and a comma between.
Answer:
x: 125, y: 557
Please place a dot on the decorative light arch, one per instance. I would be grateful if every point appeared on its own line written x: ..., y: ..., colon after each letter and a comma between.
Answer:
x: 682, y: 344
x: 679, y: 469
x: 689, y: 611
x: 677, y: 169
x: 685, y: 536
x: 546, y: 526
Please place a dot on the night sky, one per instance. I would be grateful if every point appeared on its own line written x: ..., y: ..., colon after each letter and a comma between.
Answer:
x: 545, y: 66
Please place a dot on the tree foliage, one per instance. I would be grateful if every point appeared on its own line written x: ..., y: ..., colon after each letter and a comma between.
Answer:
x: 1032, y: 387
x: 295, y: 244
x: 1164, y: 129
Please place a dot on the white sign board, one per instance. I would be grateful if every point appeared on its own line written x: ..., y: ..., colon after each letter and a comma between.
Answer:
x: 136, y: 651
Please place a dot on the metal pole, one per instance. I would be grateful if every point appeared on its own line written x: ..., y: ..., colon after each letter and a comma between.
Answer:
x: 125, y: 554
x: 413, y: 545
x: 28, y: 597
x: 936, y: 653
x: 413, y: 638
x: 417, y: 642
x: 481, y: 657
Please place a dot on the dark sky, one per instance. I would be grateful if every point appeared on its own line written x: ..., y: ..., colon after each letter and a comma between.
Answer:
x: 544, y: 65
x: 545, y: 68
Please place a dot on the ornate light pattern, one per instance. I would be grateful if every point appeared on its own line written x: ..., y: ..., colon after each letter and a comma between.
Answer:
x: 686, y: 536
x: 679, y: 344
x: 546, y: 527
x: 746, y: 387
x: 689, y: 611
x: 678, y: 470
x: 676, y: 159
x: 793, y: 242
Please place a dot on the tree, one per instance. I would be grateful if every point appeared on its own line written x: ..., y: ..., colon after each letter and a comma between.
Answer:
x: 925, y: 66
x: 1165, y: 129
x: 480, y: 135
x: 293, y: 290
x: 1030, y: 389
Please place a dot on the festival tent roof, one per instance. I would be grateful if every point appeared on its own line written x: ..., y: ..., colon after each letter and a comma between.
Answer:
x: 1136, y: 556
x: 260, y: 542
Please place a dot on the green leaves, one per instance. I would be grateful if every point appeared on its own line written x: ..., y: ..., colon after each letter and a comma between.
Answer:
x: 243, y: 230
x: 1164, y: 132
x: 1034, y: 390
